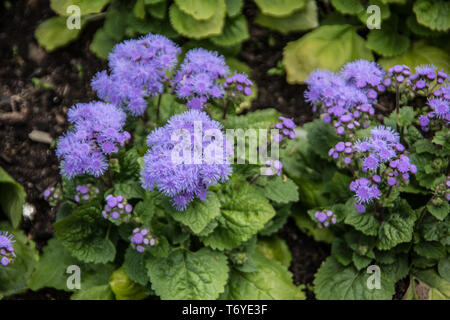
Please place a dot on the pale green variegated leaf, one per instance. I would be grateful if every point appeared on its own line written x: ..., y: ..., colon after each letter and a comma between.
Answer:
x: 279, y: 189
x: 327, y: 47
x: 187, y: 26
x: 304, y: 19
x: 433, y: 14
x: 186, y: 275
x: 53, y: 33
x: 124, y: 288
x: 348, y: 6
x: 199, y: 213
x: 85, y: 6
x: 419, y: 54
x: 234, y: 7
x: 275, y: 248
x: 279, y: 8
x: 244, y: 211
x: 234, y: 32
x: 272, y: 281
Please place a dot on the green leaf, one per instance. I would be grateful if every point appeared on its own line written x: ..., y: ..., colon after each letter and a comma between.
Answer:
x: 333, y: 281
x: 364, y: 222
x: 134, y: 266
x: 115, y: 22
x: 341, y: 252
x: 275, y: 248
x: 435, y: 230
x: 425, y: 146
x: 280, y: 189
x: 420, y: 53
x: 53, y: 33
x: 139, y: 9
x: 444, y: 268
x: 244, y: 211
x: 301, y: 20
x: 430, y: 249
x: 129, y: 189
x: 359, y: 261
x: 277, y: 222
x: 433, y: 14
x: 124, y: 288
x: 405, y: 117
x: 186, y: 275
x: 279, y: 8
x: 102, y: 292
x: 327, y: 47
x: 387, y: 42
x: 272, y: 281
x: 348, y: 6
x: 199, y: 214
x: 187, y: 26
x: 306, y: 225
x: 198, y: 9
x: 83, y: 234
x: 439, y: 212
x: 394, y: 230
x: 102, y: 44
x: 14, y: 277
x: 419, y: 29
x: 52, y: 267
x: 234, y: 7
x: 95, y: 283
x: 86, y: 6
x: 12, y: 198
x: 158, y: 10
x: 234, y: 32
x: 321, y: 137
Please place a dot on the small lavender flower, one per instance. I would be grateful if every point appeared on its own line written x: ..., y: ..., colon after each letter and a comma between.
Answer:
x: 85, y: 193
x: 7, y: 254
x: 138, y: 70
x: 186, y: 172
x: 286, y: 127
x: 53, y: 195
x: 440, y: 107
x: 200, y: 77
x: 273, y: 167
x: 325, y: 218
x: 97, y: 132
x: 141, y: 239
x: 117, y: 209
x: 365, y: 191
x: 238, y: 84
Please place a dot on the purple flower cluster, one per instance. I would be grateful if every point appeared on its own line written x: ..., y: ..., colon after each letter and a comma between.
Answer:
x: 97, y: 132
x: 186, y: 156
x: 238, y: 83
x: 142, y: 239
x: 273, y: 167
x: 138, y: 70
x: 199, y: 77
x: 85, y: 193
x: 325, y: 218
x: 346, y: 98
x: 7, y: 254
x: 365, y: 192
x: 117, y: 209
x: 286, y: 127
x: 342, y: 148
x: 53, y: 195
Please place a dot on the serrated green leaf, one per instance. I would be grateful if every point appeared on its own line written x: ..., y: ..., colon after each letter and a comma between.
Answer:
x: 199, y: 213
x: 244, y: 211
x: 280, y: 190
x: 279, y: 8
x: 439, y: 212
x: 341, y: 252
x: 300, y: 20
x: 189, y: 275
x: 387, y: 42
x: 364, y: 222
x: 394, y: 230
x: 327, y: 47
x: 51, y: 269
x: 53, y: 33
x: 198, y: 9
x: 124, y: 288
x: 234, y: 7
x: 419, y: 54
x: 83, y: 235
x: 433, y: 14
x: 333, y: 281
x: 129, y: 189
x: 134, y: 266
x: 14, y: 277
x: 430, y: 249
x: 272, y: 281
x: 359, y: 261
x: 187, y: 26
x: 425, y: 146
x: 86, y: 6
x: 12, y: 198
x: 419, y: 29
x: 234, y: 32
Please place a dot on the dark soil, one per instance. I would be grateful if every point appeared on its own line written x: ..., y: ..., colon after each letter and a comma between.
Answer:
x: 27, y: 105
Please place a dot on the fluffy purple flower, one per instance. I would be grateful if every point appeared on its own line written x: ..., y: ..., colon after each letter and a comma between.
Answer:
x: 364, y: 190
x: 363, y: 73
x: 138, y: 70
x: 186, y: 156
x: 199, y: 77
x: 94, y: 125
x: 142, y: 239
x: 441, y: 107
x: 7, y: 254
x: 325, y: 218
